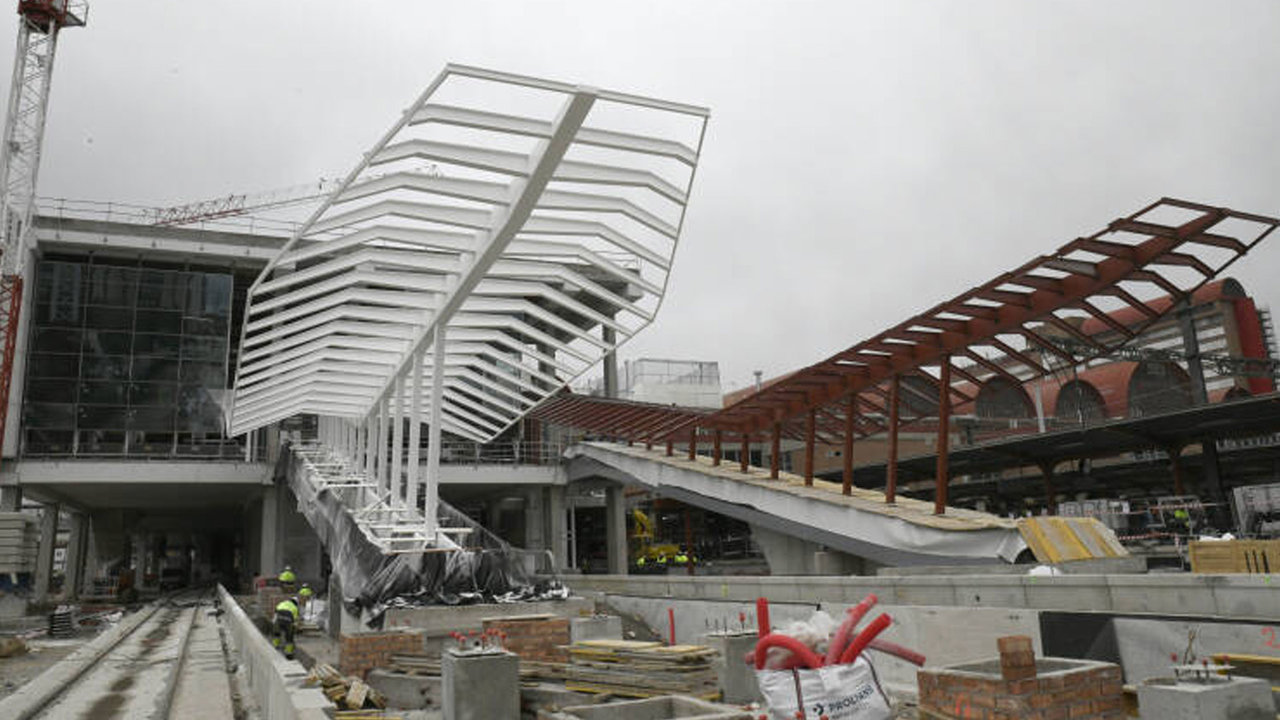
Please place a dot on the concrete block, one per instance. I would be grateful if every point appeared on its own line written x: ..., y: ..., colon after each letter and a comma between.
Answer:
x: 407, y: 692
x: 737, y: 679
x: 599, y: 627
x: 1235, y: 699
x: 481, y: 686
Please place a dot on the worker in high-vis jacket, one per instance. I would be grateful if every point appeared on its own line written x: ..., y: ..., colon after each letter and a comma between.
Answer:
x: 285, y: 624
x: 287, y: 580
x: 305, y: 594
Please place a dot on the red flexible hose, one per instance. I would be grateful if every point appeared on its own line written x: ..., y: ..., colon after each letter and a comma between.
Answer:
x: 807, y: 657
x: 854, y: 616
x: 897, y: 651
x: 868, y: 634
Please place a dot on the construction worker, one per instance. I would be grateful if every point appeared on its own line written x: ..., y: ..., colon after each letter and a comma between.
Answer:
x: 640, y: 563
x: 288, y: 581
x: 304, y: 595
x: 681, y: 558
x: 286, y: 622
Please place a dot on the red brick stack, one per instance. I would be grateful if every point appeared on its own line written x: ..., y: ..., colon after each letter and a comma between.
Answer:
x: 361, y: 653
x: 1082, y: 690
x: 541, y: 638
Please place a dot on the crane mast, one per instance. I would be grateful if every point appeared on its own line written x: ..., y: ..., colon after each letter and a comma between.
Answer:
x: 39, y: 23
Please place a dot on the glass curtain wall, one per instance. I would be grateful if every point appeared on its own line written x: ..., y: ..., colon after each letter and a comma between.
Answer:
x: 128, y: 361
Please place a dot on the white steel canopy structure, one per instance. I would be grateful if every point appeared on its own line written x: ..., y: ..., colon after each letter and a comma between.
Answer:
x: 518, y: 228
x: 497, y: 242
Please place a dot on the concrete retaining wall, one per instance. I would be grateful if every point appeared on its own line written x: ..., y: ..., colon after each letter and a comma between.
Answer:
x: 1231, y: 597
x: 276, y: 682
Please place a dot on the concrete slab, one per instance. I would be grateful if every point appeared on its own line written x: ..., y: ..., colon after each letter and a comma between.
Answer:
x: 1234, y: 699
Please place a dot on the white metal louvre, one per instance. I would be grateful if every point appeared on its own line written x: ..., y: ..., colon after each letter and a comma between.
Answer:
x: 532, y: 223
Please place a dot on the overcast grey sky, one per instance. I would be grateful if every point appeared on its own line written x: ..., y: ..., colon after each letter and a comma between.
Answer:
x: 864, y: 160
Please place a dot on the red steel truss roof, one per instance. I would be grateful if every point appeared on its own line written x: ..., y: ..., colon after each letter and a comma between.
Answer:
x: 1082, y: 301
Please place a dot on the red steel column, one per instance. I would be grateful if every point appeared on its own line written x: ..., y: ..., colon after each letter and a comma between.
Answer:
x: 891, y: 473
x: 693, y: 443
x: 810, y: 422
x: 670, y: 446
x: 849, y: 412
x: 774, y: 450
x: 944, y: 436
x: 715, y: 448
x: 745, y: 461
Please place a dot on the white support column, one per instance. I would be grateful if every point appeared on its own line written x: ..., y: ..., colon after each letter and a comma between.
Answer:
x: 77, y: 544
x: 370, y: 438
x: 616, y: 529
x: 397, y: 442
x: 415, y: 430
x: 433, y: 431
x: 269, y: 547
x: 384, y: 437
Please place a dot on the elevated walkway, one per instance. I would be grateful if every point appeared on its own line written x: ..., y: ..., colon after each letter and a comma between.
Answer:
x: 861, y: 524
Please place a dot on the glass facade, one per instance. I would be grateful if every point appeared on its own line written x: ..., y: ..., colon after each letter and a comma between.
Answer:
x: 127, y: 360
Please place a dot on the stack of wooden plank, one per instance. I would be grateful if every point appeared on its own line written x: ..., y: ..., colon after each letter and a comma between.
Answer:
x: 641, y: 669
x: 345, y: 692
x: 416, y: 664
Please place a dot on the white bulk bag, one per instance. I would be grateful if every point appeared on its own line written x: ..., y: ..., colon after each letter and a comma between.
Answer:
x: 841, y: 692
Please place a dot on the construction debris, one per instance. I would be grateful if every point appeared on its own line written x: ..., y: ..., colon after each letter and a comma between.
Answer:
x: 641, y: 669
x: 345, y: 691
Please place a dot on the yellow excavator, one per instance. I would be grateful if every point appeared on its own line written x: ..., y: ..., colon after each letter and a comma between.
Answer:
x: 648, y: 554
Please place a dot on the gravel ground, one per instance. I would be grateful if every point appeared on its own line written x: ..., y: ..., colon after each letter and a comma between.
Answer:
x: 18, y: 670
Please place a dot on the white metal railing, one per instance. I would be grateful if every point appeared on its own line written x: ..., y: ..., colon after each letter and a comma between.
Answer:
x: 396, y: 528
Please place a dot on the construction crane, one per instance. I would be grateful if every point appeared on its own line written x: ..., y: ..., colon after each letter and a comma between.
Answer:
x: 248, y: 203
x: 39, y: 24
x: 244, y: 203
